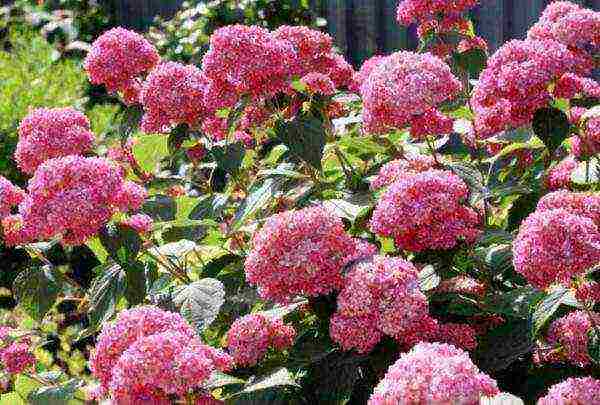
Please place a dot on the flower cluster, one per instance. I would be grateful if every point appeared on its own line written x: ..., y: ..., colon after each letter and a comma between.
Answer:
x: 462, y: 285
x: 10, y: 195
x: 583, y: 204
x: 381, y: 297
x: 173, y: 94
x: 141, y: 223
x: 516, y: 82
x: 299, y: 253
x: 420, y: 11
x: 568, y: 340
x: 587, y: 143
x: 588, y: 293
x: 47, y: 133
x: 433, y: 373
x: 457, y: 334
x: 559, y: 176
x: 15, y: 354
x: 400, y: 168
x: 64, y: 198
x: 318, y: 83
x: 118, y: 59
x: 426, y: 211
x: 584, y: 390
x: 252, y: 335
x: 406, y: 86
x: 148, y: 353
x: 365, y: 71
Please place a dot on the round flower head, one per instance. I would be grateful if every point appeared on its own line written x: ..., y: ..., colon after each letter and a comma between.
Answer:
x: 49, y: 133
x: 64, y: 198
x: 588, y: 292
x: 555, y: 245
x: 15, y: 354
x: 10, y: 195
x: 252, y: 335
x: 131, y: 325
x: 404, y: 85
x: 433, y: 373
x: 568, y: 340
x: 118, y: 59
x: 165, y: 363
x: 574, y: 391
x: 426, y: 211
x: 299, y: 253
x: 584, y: 204
x: 141, y: 223
x: 560, y: 175
x: 400, y: 168
x: 248, y: 61
x: 173, y: 94
x: 571, y: 85
x: 419, y: 11
x: 381, y: 296
x: 365, y: 70
x: 554, y: 12
x: 515, y: 83
x: 318, y: 83
x: 312, y: 49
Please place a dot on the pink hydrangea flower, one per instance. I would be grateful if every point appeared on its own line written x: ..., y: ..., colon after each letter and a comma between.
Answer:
x: 515, y: 83
x: 318, y: 83
x: 578, y: 29
x: 430, y: 123
x: 16, y: 355
x: 399, y: 168
x: 426, y: 211
x: 49, y: 133
x: 589, y: 139
x: 571, y: 85
x: 553, y: 12
x: 588, y: 292
x: 312, y: 49
x: 140, y: 223
x: 118, y: 59
x: 251, y: 336
x: 173, y: 94
x: 381, y: 296
x: 299, y: 253
x: 64, y: 198
x: 554, y: 245
x: 404, y: 85
x: 560, y: 175
x: 584, y: 204
x: 197, y: 152
x: 433, y: 373
x: 584, y: 390
x: 457, y: 334
x: 419, y: 11
x: 568, y: 340
x: 365, y: 70
x: 10, y: 195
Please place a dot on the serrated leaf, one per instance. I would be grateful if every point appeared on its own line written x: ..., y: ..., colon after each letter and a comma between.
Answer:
x: 149, y: 151
x: 280, y: 377
x: 104, y: 294
x: 503, y: 345
x: 55, y: 395
x: 546, y: 308
x: 121, y: 242
x: 587, y: 172
x: 552, y: 126
x: 160, y: 208
x: 305, y: 138
x: 428, y: 278
x: 515, y: 303
x: 259, y: 196
x: 473, y: 178
x: 280, y: 312
x: 136, y: 283
x: 594, y: 345
x: 36, y: 289
x: 473, y: 61
x: 200, y: 301
x: 209, y: 207
x: 229, y: 157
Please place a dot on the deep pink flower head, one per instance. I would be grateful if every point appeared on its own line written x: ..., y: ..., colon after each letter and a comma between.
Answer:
x: 131, y: 325
x: 10, y: 195
x: 318, y: 83
x: 430, y: 123
x: 404, y: 85
x: 312, y: 49
x: 571, y: 85
x: 515, y: 83
x: 588, y: 141
x: 365, y: 70
x: 426, y: 211
x: 118, y: 59
x: 568, y: 340
x: 457, y: 334
x: 65, y: 198
x: 554, y: 12
x: 588, y: 292
x: 560, y: 175
x: 554, y: 245
x: 299, y: 253
x: 49, y: 133
x: 433, y: 373
x: 248, y: 61
x: 173, y: 94
x: 16, y: 355
x: 252, y: 335
x: 399, y: 168
x: 419, y: 11
x: 381, y: 296
x: 575, y: 391
x: 141, y: 223
x: 197, y: 152
x: 164, y: 363
x: 583, y: 204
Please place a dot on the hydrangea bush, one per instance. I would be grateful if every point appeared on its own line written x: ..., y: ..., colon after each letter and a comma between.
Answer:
x: 276, y: 227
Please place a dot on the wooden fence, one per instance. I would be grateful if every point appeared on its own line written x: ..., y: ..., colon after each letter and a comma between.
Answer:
x: 362, y: 28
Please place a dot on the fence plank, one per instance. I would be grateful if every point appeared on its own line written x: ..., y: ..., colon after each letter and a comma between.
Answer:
x: 363, y: 34
x: 488, y: 21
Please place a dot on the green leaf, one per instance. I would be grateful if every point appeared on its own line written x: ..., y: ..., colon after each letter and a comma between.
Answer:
x: 280, y: 377
x: 219, y: 380
x: 305, y: 138
x: 36, y: 289
x: 334, y: 377
x: 594, y: 345
x: 259, y: 196
x: 130, y: 121
x: 428, y: 278
x: 552, y: 126
x: 200, y: 301
x: 25, y: 385
x: 515, y: 303
x: 160, y: 208
x: 149, y: 151
x: 587, y: 172
x: 104, y: 294
x: 473, y: 61
x: 136, y: 283
x: 55, y: 395
x: 280, y: 312
x: 496, y: 258
x: 472, y: 177
x: 209, y: 207
x: 548, y: 306
x: 11, y: 398
x: 229, y: 157
x: 121, y: 242
x: 502, y: 399
x: 503, y: 345
x: 345, y: 209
